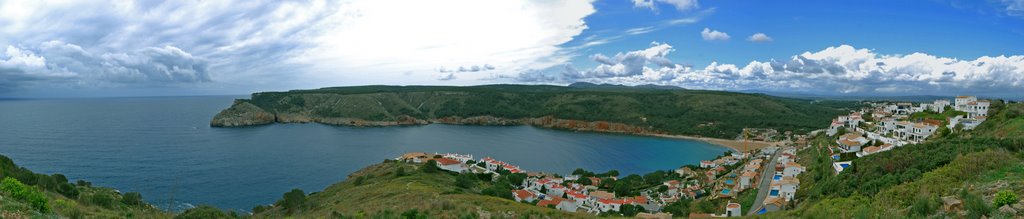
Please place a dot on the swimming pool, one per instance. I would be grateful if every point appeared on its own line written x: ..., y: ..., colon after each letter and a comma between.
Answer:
x: 774, y: 193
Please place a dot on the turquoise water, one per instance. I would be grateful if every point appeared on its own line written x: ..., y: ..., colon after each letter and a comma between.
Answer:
x: 164, y: 148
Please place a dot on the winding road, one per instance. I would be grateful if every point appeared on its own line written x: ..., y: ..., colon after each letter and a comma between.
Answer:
x: 766, y: 183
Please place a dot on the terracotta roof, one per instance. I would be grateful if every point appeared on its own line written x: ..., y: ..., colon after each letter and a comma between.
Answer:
x: 871, y: 149
x: 552, y: 201
x: 413, y: 155
x: 750, y: 174
x: 733, y: 205
x: 793, y: 164
x: 576, y: 194
x: 446, y: 161
x: 522, y: 194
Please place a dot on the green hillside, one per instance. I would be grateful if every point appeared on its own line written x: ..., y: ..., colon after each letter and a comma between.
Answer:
x: 25, y: 194
x: 912, y: 181
x: 394, y: 189
x: 675, y: 111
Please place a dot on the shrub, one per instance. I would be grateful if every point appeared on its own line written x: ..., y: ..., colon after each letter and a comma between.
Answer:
x: 1004, y: 197
x: 430, y: 167
x: 22, y: 192
x: 924, y: 206
x: 975, y: 206
x: 202, y: 212
x: 293, y: 200
x: 132, y: 199
x: 466, y: 181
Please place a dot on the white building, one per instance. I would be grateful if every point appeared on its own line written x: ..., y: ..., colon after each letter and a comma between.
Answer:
x: 792, y: 169
x: 851, y: 142
x: 451, y: 165
x: 960, y: 103
x: 939, y: 106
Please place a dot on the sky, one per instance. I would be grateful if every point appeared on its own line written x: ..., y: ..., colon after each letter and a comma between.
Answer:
x: 189, y: 47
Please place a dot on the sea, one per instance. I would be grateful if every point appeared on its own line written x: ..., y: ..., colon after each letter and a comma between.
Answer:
x: 164, y: 148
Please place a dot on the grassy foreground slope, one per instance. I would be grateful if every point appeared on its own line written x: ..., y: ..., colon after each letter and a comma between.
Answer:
x: 25, y: 194
x: 672, y: 111
x: 913, y: 181
x: 395, y: 189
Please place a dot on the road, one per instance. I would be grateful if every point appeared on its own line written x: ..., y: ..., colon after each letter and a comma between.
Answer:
x: 766, y: 182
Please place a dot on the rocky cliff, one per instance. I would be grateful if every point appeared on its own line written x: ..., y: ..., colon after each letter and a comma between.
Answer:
x: 242, y: 113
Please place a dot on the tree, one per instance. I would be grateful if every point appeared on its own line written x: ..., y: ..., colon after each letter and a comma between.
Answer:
x: 663, y: 188
x: 293, y: 200
x: 430, y: 167
x: 400, y: 172
x: 466, y: 181
x: 544, y: 189
x: 584, y: 181
x: 630, y: 210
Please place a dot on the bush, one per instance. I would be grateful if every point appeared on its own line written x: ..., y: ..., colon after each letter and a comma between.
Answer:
x: 202, y: 212
x: 293, y: 200
x: 430, y: 167
x: 1004, y: 197
x: 466, y: 181
x: 22, y: 192
x: 924, y: 206
x: 975, y: 206
x: 132, y: 199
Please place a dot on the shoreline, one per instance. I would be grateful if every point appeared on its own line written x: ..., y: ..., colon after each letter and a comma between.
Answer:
x: 735, y: 145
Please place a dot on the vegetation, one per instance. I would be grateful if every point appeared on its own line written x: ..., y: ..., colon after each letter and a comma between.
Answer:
x: 692, y: 112
x: 1004, y: 197
x: 416, y: 194
x: 25, y: 194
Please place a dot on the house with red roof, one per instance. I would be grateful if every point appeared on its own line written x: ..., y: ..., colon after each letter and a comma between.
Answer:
x: 451, y: 165
x: 523, y: 195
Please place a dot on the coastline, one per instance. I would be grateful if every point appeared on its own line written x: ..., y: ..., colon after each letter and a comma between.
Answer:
x: 728, y: 143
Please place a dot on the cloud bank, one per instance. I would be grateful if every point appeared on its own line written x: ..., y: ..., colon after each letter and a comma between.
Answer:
x: 262, y: 45
x: 836, y: 70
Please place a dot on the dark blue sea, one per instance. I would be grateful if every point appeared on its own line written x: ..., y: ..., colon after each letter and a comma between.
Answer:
x: 164, y: 148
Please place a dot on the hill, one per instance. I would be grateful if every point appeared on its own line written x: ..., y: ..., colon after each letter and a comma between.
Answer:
x: 25, y: 194
x: 918, y: 181
x: 581, y: 107
x: 396, y: 189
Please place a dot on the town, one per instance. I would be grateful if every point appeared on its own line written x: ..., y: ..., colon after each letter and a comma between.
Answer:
x: 736, y: 183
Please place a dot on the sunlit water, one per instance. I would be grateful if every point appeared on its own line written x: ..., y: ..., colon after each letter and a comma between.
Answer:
x: 164, y: 148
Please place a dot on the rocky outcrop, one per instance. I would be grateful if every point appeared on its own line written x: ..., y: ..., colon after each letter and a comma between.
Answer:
x: 242, y: 113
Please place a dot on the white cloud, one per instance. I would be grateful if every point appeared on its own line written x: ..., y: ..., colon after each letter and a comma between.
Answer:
x: 841, y: 69
x: 681, y: 5
x: 421, y: 35
x: 289, y: 44
x: 640, y: 30
x: 712, y: 35
x: 759, y: 38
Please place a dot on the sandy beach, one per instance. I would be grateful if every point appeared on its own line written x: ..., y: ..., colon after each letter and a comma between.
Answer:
x: 729, y: 143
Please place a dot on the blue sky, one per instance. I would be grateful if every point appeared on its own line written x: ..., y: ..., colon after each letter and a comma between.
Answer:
x: 154, y: 48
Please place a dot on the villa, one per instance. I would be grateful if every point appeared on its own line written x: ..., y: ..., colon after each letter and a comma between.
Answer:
x: 560, y: 204
x: 785, y: 187
x: 748, y: 179
x: 523, y: 195
x: 851, y: 142
x: 451, y: 165
x: 792, y: 169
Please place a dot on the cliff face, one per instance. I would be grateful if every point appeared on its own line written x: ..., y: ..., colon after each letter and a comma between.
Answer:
x: 242, y: 113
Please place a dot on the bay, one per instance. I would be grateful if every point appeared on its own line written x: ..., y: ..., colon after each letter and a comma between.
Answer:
x: 164, y: 148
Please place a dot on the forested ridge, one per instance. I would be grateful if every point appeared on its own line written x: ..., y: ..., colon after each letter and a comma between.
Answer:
x: 673, y: 111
